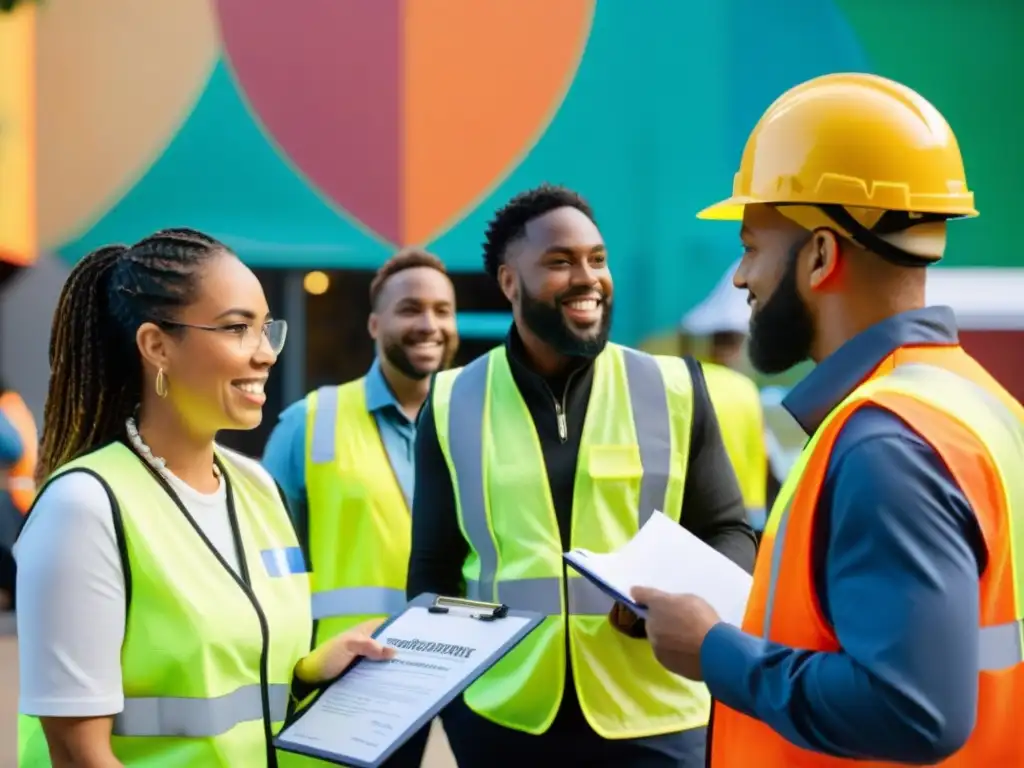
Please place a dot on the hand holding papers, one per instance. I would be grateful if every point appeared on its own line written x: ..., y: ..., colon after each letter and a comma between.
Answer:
x: 442, y: 645
x: 667, y: 557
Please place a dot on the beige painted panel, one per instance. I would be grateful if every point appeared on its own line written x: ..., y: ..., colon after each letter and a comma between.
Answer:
x: 116, y: 78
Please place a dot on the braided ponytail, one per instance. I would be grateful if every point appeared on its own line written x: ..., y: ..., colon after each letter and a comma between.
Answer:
x: 85, y: 404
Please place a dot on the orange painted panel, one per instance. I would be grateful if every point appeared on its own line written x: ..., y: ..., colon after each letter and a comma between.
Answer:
x: 481, y: 81
x: 17, y: 137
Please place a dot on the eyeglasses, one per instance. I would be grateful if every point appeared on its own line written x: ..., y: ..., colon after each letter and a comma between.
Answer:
x: 276, y: 331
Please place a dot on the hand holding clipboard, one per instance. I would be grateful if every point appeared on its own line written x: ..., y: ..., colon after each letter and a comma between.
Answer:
x: 442, y: 645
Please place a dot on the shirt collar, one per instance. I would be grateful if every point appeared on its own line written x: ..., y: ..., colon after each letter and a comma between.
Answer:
x: 378, y: 392
x: 835, y: 377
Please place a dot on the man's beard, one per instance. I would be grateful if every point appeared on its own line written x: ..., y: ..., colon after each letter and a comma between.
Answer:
x: 394, y: 352
x: 782, y: 330
x: 548, y: 323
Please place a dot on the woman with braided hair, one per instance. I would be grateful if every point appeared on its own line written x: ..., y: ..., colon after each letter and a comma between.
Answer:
x: 164, y: 610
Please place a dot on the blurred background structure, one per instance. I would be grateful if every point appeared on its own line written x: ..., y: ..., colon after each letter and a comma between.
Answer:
x: 316, y: 138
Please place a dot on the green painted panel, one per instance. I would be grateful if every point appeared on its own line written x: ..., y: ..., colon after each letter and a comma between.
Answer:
x: 966, y: 58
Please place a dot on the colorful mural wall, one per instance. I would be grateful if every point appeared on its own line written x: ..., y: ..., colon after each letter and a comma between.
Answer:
x: 325, y: 134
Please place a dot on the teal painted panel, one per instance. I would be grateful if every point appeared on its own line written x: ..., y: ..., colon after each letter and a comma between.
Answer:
x: 483, y: 325
x: 220, y: 174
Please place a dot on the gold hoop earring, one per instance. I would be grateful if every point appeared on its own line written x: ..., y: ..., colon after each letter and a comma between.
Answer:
x: 161, y: 383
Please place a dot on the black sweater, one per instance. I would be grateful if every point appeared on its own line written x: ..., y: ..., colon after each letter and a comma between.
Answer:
x: 712, y: 506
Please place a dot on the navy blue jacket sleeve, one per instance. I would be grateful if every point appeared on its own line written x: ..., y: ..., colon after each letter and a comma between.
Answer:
x: 902, y: 552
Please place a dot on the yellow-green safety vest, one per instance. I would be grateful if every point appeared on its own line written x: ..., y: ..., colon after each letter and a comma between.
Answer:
x: 737, y: 403
x: 632, y: 461
x: 359, y: 531
x: 207, y: 660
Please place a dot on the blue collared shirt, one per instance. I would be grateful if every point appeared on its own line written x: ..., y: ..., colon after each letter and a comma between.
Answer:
x: 897, y: 557
x: 285, y: 454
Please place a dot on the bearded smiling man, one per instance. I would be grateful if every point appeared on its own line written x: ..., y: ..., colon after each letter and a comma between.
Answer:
x: 344, y: 455
x: 560, y: 439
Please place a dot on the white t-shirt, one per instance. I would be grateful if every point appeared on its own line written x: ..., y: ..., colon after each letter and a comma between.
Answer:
x: 71, y: 592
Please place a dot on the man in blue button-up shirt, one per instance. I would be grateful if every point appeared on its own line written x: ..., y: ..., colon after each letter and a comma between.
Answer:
x: 413, y: 325
x: 899, y: 550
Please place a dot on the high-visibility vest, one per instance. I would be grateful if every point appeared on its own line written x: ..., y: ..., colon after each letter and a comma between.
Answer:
x: 632, y: 460
x: 20, y: 480
x: 977, y: 429
x: 207, y: 660
x: 360, y: 528
x: 737, y: 403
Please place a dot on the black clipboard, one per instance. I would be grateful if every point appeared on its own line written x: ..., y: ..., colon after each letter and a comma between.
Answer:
x: 436, y: 605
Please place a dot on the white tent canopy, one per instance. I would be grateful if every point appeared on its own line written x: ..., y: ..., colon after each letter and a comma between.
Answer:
x: 983, y: 299
x: 724, y: 310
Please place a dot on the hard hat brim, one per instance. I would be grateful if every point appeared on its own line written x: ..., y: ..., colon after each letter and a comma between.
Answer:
x: 730, y: 209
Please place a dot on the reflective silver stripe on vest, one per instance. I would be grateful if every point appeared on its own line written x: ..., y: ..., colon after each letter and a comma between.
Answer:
x: 465, y: 439
x: 778, y: 544
x: 653, y: 428
x: 1001, y: 646
x: 545, y: 596
x: 325, y: 422
x: 198, y: 718
x: 357, y: 601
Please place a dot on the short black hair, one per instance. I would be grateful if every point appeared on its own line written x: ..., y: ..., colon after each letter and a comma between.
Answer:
x: 509, y: 223
x: 407, y: 258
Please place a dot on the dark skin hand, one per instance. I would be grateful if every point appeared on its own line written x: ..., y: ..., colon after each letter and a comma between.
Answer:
x: 627, y: 622
x: 676, y: 627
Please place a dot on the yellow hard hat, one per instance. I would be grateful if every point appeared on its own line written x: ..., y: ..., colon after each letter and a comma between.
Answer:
x: 852, y: 140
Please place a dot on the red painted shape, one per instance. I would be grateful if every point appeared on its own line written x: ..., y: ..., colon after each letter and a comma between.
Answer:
x: 323, y: 77
x: 1002, y: 354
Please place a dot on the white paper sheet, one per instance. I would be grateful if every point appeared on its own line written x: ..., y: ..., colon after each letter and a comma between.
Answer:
x: 376, y: 703
x: 666, y: 556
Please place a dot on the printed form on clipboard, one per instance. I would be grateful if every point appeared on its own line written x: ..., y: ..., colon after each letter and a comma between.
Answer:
x: 666, y: 556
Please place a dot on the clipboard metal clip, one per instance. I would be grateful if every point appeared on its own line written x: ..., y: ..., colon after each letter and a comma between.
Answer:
x: 475, y: 608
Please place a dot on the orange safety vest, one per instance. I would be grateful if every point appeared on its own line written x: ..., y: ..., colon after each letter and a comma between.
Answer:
x: 977, y: 429
x: 20, y: 483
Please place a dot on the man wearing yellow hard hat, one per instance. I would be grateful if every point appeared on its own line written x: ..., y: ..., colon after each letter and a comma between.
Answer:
x: 886, y: 621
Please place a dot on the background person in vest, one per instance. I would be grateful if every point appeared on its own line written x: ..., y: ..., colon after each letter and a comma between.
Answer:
x: 887, y: 574
x: 11, y: 454
x: 20, y: 476
x: 163, y: 602
x: 722, y: 319
x: 573, y: 456
x: 344, y: 454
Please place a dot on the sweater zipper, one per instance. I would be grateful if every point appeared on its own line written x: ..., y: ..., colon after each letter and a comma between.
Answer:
x: 563, y: 436
x: 560, y: 408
